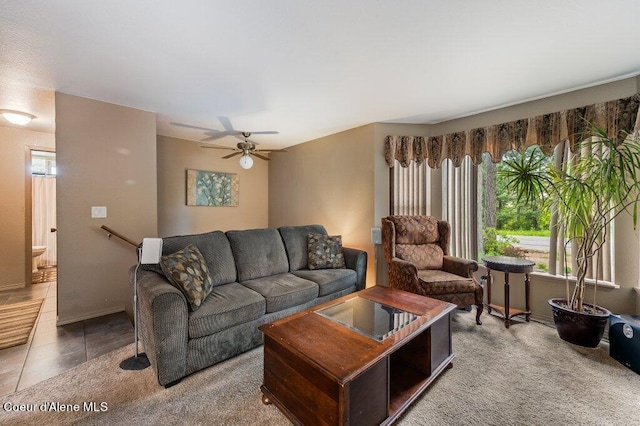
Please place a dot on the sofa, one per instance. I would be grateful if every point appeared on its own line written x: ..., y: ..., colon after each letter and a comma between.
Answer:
x: 257, y: 276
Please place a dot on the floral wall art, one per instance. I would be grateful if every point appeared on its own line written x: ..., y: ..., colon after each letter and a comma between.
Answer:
x: 212, y: 189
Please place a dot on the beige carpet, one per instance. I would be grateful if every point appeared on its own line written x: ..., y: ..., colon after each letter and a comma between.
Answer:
x: 16, y: 322
x: 524, y: 375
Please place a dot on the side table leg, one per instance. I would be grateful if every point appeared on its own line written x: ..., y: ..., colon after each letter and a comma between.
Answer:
x: 489, y: 278
x: 526, y: 296
x: 266, y: 400
x: 506, y: 299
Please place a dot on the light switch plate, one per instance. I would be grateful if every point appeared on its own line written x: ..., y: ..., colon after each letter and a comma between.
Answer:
x: 98, y: 212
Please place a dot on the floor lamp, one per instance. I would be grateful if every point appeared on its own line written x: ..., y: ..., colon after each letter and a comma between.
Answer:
x: 148, y: 254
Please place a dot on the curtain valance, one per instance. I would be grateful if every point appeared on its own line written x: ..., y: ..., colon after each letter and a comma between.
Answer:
x: 545, y: 130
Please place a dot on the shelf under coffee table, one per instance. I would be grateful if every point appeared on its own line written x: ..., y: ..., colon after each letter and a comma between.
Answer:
x: 360, y: 359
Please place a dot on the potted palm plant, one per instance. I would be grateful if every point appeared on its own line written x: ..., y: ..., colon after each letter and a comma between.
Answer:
x: 588, y: 193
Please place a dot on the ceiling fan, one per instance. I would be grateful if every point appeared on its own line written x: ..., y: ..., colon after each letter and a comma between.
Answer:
x: 246, y: 149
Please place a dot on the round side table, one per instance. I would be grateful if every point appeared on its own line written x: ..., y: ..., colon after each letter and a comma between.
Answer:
x: 508, y: 265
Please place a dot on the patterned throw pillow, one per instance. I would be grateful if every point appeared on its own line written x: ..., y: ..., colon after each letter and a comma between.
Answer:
x: 325, y: 252
x: 186, y: 269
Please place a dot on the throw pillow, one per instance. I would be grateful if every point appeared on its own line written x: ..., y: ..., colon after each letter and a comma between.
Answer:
x: 187, y: 270
x: 325, y: 252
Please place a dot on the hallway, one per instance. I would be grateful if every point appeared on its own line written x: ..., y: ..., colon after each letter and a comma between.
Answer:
x: 51, y: 350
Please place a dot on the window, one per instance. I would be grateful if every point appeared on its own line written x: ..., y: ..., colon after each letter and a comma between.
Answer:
x: 43, y: 163
x: 486, y: 218
x: 514, y: 229
x: 510, y: 228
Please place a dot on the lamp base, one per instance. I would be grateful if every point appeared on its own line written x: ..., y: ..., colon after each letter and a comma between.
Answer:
x: 136, y: 363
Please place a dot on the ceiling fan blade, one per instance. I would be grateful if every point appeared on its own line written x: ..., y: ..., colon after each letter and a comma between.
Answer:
x: 266, y: 132
x: 189, y: 126
x: 215, y: 135
x: 217, y: 147
x: 260, y: 156
x: 232, y: 155
x: 271, y: 150
x: 226, y: 123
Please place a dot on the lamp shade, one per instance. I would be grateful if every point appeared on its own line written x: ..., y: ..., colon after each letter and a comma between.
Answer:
x: 246, y: 162
x: 151, y: 251
x: 17, y: 117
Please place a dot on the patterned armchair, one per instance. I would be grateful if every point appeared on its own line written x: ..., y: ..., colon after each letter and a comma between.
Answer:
x: 417, y: 251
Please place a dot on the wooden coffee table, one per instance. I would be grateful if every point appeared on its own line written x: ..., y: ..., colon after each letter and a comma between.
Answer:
x: 360, y: 359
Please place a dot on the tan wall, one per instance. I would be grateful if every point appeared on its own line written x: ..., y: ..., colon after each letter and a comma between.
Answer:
x: 175, y: 156
x: 14, y: 146
x: 328, y: 181
x: 106, y: 156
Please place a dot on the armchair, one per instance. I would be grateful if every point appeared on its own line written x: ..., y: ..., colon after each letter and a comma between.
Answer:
x: 416, y: 249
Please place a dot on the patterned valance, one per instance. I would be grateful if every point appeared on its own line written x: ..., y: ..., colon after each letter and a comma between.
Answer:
x: 546, y: 131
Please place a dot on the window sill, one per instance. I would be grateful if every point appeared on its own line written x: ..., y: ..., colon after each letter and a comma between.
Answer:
x: 561, y: 279
x: 572, y: 280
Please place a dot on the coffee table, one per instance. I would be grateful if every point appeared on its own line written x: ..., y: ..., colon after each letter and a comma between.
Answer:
x: 360, y: 359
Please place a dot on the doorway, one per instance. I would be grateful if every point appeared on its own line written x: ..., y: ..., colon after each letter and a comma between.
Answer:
x: 43, y: 243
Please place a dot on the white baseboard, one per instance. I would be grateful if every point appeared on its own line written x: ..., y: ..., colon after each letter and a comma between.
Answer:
x: 89, y: 315
x: 14, y: 286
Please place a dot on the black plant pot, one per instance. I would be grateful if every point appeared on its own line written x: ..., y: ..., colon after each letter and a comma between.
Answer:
x: 580, y: 328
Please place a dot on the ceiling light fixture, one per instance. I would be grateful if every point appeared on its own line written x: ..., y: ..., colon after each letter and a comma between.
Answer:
x: 246, y: 162
x: 17, y: 117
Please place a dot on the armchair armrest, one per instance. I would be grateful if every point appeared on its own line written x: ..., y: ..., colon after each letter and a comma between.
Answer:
x: 357, y: 260
x: 163, y: 325
x: 459, y: 266
x: 403, y: 275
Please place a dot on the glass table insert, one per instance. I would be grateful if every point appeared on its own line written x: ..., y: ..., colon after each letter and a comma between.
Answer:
x: 372, y: 319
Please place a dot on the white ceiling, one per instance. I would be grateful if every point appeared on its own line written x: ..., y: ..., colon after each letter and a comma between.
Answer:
x: 308, y: 68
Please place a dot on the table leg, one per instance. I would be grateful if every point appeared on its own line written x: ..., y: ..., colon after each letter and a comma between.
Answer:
x: 489, y: 290
x: 506, y: 299
x: 526, y: 296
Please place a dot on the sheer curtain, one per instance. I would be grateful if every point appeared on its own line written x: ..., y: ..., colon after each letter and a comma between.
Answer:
x: 600, y: 267
x: 411, y: 195
x: 410, y: 189
x: 460, y: 206
x: 44, y: 217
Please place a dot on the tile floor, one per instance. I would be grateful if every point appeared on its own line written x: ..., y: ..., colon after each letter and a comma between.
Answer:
x: 52, y: 350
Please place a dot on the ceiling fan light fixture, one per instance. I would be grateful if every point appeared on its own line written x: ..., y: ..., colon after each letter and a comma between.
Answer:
x: 17, y: 117
x: 246, y: 162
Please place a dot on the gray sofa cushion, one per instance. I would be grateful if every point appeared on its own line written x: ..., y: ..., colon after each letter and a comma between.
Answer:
x: 215, y: 249
x: 258, y: 253
x: 295, y: 240
x: 226, y: 306
x: 283, y: 291
x: 329, y: 280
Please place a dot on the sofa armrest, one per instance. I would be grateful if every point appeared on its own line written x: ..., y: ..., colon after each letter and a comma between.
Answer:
x: 163, y: 325
x: 459, y: 266
x: 357, y: 260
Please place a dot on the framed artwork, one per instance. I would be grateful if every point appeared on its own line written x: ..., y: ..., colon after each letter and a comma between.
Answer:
x: 212, y: 188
